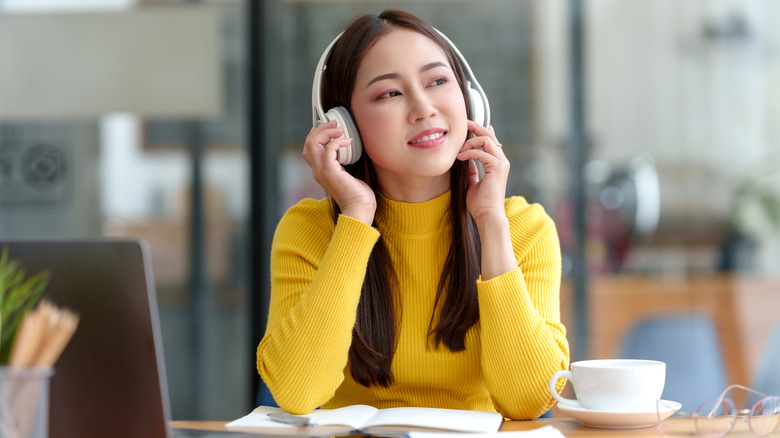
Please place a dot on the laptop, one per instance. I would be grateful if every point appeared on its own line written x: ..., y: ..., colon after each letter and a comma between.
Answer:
x: 110, y: 380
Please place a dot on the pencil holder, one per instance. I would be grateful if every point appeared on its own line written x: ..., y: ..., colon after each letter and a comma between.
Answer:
x: 24, y: 402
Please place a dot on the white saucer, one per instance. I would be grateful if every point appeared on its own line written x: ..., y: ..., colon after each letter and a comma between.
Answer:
x: 620, y: 420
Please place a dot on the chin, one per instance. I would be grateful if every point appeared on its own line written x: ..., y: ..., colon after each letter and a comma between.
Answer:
x: 438, y: 169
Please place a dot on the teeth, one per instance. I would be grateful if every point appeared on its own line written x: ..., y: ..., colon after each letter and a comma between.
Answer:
x: 429, y: 137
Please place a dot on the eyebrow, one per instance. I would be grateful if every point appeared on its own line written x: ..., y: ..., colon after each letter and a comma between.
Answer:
x: 424, y: 68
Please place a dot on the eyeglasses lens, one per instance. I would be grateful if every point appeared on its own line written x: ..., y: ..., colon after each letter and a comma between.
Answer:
x: 716, y: 418
x: 765, y: 416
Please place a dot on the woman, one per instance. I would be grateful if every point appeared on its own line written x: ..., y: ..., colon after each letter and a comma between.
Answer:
x: 415, y: 283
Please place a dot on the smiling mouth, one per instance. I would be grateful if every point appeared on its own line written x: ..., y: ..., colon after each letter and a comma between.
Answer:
x: 430, y: 137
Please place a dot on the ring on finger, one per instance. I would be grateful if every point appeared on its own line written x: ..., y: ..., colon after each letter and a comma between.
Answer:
x: 499, y: 145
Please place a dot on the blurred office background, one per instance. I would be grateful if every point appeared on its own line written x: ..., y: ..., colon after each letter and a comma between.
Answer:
x: 649, y: 130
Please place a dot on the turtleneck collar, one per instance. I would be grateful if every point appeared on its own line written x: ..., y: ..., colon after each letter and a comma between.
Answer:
x: 415, y: 218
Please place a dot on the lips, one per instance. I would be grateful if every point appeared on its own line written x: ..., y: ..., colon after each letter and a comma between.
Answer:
x: 429, y: 138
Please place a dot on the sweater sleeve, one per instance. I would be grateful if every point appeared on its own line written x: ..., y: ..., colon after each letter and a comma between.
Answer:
x: 317, y: 272
x: 523, y: 340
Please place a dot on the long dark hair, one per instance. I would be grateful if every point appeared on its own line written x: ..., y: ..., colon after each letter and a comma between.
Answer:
x: 374, y: 337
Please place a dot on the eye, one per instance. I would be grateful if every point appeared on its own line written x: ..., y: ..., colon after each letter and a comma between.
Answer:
x: 392, y: 93
x: 439, y: 81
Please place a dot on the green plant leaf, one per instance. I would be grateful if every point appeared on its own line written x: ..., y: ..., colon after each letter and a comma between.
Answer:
x: 18, y: 295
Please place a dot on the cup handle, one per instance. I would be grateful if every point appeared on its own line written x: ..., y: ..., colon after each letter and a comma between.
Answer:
x: 564, y: 374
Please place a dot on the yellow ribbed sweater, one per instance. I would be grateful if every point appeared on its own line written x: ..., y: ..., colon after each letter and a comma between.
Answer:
x: 317, y: 270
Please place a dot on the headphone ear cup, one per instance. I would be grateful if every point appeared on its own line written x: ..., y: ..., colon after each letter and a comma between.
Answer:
x: 477, y: 106
x: 351, y: 153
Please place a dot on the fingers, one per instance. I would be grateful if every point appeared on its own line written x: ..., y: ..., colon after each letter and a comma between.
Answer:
x: 493, y: 131
x: 322, y: 143
x: 473, y: 172
x: 485, y: 139
x: 481, y: 131
x: 322, y: 134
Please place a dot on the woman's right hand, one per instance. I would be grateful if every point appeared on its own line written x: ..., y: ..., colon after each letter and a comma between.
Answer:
x: 354, y: 197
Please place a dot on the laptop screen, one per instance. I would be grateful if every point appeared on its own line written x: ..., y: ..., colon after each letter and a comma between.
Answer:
x: 110, y: 379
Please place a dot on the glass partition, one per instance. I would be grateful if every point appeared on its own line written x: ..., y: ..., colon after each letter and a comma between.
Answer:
x: 143, y: 162
x: 680, y: 178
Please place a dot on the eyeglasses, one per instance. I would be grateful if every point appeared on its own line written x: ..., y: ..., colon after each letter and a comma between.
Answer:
x: 717, y: 417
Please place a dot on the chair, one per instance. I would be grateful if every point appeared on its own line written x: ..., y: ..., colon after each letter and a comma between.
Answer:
x: 767, y: 379
x: 264, y: 397
x: 690, y: 347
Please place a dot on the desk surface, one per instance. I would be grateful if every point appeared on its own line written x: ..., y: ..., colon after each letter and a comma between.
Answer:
x: 673, y: 427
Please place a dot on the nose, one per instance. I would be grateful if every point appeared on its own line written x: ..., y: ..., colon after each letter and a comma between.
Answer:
x: 421, y: 106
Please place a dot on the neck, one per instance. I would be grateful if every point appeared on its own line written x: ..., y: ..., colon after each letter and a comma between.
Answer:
x: 415, y: 218
x: 413, y: 189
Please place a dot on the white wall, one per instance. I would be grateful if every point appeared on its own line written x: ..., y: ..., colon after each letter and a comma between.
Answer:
x: 137, y: 183
x: 706, y: 110
x: 656, y: 84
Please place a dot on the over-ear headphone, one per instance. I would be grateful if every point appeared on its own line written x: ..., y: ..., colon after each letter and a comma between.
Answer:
x: 478, y: 101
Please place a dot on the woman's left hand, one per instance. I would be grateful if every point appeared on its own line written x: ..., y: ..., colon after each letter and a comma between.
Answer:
x: 485, y: 196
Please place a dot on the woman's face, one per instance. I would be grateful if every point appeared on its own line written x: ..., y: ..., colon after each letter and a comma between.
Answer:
x: 409, y: 110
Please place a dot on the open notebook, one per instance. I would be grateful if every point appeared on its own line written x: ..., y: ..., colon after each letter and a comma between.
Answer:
x: 110, y: 380
x: 362, y: 419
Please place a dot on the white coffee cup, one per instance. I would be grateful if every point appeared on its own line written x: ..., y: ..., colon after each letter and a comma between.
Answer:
x: 613, y: 385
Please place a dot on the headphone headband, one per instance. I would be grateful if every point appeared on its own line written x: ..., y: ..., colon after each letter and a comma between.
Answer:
x: 471, y: 81
x: 318, y: 113
x: 316, y: 98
